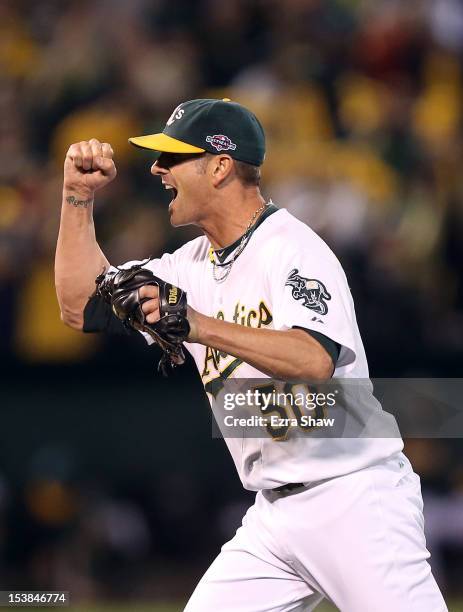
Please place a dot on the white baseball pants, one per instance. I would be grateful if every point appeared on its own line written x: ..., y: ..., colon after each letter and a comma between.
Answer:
x: 356, y: 540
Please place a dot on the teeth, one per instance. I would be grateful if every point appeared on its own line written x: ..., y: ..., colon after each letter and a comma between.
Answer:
x: 168, y: 186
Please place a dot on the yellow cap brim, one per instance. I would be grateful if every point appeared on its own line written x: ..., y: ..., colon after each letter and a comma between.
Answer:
x: 165, y: 144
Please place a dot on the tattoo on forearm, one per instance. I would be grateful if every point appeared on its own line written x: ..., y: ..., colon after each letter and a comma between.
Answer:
x: 75, y: 202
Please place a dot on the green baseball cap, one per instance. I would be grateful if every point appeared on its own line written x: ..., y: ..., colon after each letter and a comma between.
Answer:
x: 210, y: 125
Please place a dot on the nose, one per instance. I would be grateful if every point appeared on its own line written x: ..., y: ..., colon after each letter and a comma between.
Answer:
x: 157, y: 170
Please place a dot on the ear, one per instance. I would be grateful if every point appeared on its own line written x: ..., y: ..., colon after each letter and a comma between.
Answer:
x: 221, y: 169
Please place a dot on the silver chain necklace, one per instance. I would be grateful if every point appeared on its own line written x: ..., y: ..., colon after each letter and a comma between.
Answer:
x: 226, y: 267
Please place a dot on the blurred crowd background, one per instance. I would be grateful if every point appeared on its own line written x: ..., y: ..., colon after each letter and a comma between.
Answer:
x: 102, y: 491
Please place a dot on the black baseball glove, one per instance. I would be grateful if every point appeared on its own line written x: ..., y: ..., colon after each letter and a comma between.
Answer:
x: 120, y: 290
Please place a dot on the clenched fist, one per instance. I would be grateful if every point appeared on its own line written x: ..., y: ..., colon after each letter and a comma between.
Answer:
x: 88, y: 166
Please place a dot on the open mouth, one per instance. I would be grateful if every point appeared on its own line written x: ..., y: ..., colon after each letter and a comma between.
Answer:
x: 173, y: 191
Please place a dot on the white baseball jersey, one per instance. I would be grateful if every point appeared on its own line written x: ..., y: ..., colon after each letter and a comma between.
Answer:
x: 285, y: 277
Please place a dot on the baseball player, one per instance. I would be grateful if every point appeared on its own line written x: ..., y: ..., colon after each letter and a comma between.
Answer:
x: 259, y: 295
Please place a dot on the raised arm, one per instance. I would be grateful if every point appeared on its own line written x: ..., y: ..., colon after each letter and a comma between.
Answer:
x: 79, y: 260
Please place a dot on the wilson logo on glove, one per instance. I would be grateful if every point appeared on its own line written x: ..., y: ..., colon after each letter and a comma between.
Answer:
x: 121, y: 292
x: 173, y: 295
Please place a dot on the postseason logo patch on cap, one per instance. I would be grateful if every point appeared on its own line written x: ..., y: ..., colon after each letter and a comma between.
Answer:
x: 221, y: 142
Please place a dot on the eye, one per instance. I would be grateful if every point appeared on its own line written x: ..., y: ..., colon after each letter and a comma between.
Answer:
x: 175, y: 159
x: 169, y: 160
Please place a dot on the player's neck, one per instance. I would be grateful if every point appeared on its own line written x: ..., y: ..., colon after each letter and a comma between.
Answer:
x: 231, y: 219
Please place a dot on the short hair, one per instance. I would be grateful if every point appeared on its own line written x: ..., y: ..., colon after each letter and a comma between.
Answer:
x: 248, y: 174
